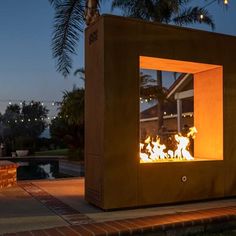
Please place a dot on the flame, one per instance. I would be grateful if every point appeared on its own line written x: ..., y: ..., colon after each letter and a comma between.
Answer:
x: 154, y: 151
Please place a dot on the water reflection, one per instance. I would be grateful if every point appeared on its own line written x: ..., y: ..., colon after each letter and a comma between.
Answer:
x: 47, y: 170
x: 31, y: 170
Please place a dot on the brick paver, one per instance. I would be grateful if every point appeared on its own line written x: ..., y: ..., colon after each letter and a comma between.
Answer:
x: 160, y: 223
x: 69, y: 214
x: 80, y: 224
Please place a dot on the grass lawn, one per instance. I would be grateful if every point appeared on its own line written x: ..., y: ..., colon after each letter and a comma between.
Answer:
x: 56, y: 152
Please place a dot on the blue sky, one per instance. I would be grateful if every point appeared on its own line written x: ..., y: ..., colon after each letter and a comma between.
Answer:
x: 27, y: 70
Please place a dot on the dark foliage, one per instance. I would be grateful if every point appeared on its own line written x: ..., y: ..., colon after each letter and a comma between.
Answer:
x: 22, y: 125
x: 68, y: 127
x: 69, y: 21
x: 176, y: 11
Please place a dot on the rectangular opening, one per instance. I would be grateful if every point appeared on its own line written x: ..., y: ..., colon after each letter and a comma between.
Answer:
x: 181, y: 111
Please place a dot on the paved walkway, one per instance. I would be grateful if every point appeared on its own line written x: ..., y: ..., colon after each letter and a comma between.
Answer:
x: 58, y: 208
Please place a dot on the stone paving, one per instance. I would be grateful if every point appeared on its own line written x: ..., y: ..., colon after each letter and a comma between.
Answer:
x: 69, y: 214
x: 58, y: 208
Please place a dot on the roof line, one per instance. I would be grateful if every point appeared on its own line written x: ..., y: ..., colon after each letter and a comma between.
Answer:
x: 177, y: 85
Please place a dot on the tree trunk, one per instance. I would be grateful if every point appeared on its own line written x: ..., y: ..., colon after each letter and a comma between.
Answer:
x: 91, y: 11
x: 160, y: 104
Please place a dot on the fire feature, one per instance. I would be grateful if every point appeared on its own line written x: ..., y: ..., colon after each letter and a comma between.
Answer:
x: 114, y: 177
x: 153, y: 151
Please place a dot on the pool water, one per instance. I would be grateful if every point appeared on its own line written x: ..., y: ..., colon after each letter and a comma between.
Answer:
x: 38, y: 169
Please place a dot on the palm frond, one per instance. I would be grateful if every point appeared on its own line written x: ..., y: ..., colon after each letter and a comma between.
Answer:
x: 175, y: 5
x: 193, y: 15
x: 135, y: 8
x: 54, y: 2
x: 146, y: 80
x: 68, y: 24
x: 158, y: 11
x: 81, y: 73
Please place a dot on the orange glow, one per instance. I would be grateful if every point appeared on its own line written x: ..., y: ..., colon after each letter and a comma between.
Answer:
x: 152, y: 63
x: 154, y: 151
x: 208, y: 114
x: 208, y: 102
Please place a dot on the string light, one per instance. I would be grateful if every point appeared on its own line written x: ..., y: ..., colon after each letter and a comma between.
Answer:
x: 46, y: 119
x: 35, y: 119
x: 146, y: 100
x: 30, y: 102
x: 226, y: 2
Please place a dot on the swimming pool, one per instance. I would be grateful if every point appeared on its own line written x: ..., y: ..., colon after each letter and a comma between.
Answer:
x: 33, y: 168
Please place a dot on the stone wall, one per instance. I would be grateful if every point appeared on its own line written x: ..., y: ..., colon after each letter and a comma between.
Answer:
x: 8, y: 172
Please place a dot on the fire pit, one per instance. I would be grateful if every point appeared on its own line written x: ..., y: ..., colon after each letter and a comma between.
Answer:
x: 154, y: 151
x: 124, y: 169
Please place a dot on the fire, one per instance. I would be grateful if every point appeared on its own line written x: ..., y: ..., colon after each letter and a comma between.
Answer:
x: 153, y: 151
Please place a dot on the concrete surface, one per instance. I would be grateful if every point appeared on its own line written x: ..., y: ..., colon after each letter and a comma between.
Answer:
x: 71, y: 192
x: 19, y: 212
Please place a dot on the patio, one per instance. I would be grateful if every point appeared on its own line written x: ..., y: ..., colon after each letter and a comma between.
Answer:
x: 58, y: 208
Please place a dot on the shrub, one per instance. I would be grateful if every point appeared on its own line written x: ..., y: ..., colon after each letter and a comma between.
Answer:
x: 24, y: 143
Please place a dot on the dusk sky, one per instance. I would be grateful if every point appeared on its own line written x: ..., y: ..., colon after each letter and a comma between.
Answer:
x: 27, y: 70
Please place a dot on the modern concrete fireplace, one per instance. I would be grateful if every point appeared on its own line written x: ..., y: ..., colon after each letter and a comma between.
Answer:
x: 119, y: 173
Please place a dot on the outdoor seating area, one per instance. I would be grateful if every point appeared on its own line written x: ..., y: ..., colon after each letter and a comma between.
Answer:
x: 117, y: 118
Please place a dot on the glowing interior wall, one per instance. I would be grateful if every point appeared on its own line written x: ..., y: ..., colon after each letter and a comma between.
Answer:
x: 208, y: 114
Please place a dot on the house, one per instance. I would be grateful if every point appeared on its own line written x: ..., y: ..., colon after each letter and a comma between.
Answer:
x: 178, y: 110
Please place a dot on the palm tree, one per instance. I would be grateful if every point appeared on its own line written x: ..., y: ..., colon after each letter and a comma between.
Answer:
x: 175, y: 11
x: 68, y: 25
x: 70, y: 16
x: 164, y: 11
x: 149, y: 90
